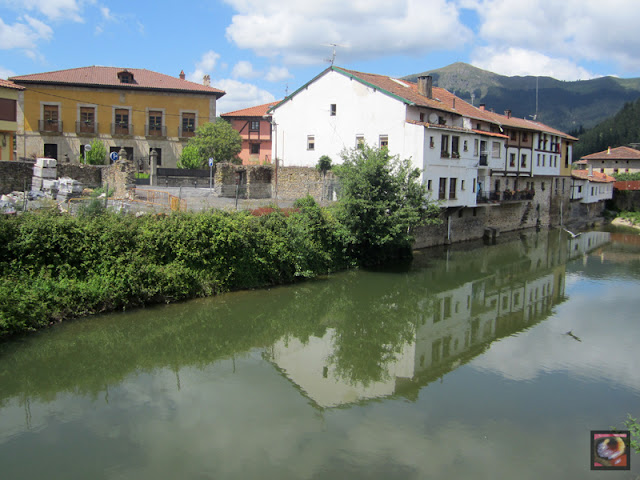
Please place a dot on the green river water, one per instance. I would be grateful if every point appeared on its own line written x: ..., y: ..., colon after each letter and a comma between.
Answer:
x: 457, y: 365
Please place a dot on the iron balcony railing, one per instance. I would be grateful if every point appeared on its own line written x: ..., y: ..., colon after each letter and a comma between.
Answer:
x: 495, y: 196
x: 86, y: 127
x: 155, y: 130
x: 186, y: 131
x: 50, y: 126
x: 121, y: 128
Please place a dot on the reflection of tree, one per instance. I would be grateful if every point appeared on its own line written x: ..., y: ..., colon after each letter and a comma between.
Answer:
x: 372, y: 314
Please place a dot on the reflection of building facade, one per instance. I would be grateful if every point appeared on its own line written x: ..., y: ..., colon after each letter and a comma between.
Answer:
x: 515, y: 289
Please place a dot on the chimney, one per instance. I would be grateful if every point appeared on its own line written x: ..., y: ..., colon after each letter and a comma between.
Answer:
x: 425, y: 86
x: 206, y: 80
x: 482, y: 107
x: 181, y: 75
x: 507, y: 113
x: 454, y: 103
x: 590, y: 170
x: 609, y: 151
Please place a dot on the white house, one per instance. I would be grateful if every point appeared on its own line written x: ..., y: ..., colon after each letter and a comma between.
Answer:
x: 447, y: 138
x: 591, y: 187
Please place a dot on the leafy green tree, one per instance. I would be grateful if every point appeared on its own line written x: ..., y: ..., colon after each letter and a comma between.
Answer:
x: 216, y: 140
x: 381, y: 200
x: 324, y: 165
x: 190, y: 158
x: 98, y: 153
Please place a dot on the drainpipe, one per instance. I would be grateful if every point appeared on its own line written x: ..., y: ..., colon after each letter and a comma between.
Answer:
x: 448, y: 228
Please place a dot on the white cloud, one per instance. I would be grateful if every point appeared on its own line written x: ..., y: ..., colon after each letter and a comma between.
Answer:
x: 517, y: 61
x: 244, y: 69
x: 301, y: 32
x: 24, y: 34
x: 106, y: 14
x: 580, y: 30
x: 277, y: 74
x: 6, y: 73
x: 240, y: 95
x: 55, y: 9
x: 205, y: 65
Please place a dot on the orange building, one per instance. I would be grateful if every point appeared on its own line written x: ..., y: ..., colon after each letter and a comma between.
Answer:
x: 254, y: 125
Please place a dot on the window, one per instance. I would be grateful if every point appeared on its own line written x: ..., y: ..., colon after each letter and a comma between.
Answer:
x: 121, y: 126
x: 441, y: 121
x: 514, y: 135
x: 444, y: 146
x: 495, y: 150
x: 87, y: 120
x: 452, y: 188
x: 359, y: 141
x: 512, y: 160
x: 155, y: 123
x: 523, y: 160
x: 443, y: 189
x: 254, y: 148
x: 188, y: 125
x: 474, y: 191
x: 432, y: 143
x: 333, y: 110
x: 422, y: 117
x: 51, y: 150
x: 384, y: 141
x: 428, y: 184
x: 462, y: 186
x: 455, y: 146
x: 542, y: 186
x: 7, y: 109
x: 538, y: 162
x: 128, y: 151
x: 254, y: 125
x: 50, y: 119
x: 579, y: 188
x: 311, y: 142
x: 544, y: 160
x: 465, y: 148
x: 524, y: 137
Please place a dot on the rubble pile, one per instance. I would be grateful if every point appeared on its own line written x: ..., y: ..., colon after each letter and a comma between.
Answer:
x: 68, y: 188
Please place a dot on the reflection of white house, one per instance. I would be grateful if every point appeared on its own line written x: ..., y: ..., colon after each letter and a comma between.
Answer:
x: 591, y: 187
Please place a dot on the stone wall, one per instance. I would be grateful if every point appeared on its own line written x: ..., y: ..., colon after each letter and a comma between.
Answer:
x: 15, y: 175
x: 298, y: 182
x: 626, y: 199
x: 247, y: 181
x: 120, y: 177
x: 87, y: 175
x: 581, y: 214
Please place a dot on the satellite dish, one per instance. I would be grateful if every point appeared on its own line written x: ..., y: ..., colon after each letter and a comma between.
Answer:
x: 433, y: 118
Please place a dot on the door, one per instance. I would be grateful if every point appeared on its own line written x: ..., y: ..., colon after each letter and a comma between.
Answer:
x: 51, y: 150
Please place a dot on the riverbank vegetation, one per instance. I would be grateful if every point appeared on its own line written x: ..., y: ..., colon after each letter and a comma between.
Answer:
x: 55, y: 266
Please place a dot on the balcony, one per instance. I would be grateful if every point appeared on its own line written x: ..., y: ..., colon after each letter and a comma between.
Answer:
x: 50, y: 126
x: 121, y: 128
x: 484, y: 161
x: 186, y: 132
x: 494, y: 196
x: 86, y: 128
x: 156, y: 130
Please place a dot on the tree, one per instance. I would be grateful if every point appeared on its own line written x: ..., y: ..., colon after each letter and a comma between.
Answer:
x: 98, y: 153
x: 190, y: 158
x: 382, y: 200
x: 324, y: 165
x: 216, y: 140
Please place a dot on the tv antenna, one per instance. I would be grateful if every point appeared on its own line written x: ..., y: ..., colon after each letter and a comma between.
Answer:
x: 535, y: 117
x: 333, y: 55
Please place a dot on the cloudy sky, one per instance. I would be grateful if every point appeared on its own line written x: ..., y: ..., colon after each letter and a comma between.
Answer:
x: 259, y: 50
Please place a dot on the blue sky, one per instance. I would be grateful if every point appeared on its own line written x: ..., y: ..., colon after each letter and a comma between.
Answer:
x: 257, y: 50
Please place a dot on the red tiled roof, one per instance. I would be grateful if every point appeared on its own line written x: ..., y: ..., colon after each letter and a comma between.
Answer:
x: 618, y: 153
x: 257, y: 111
x: 525, y: 124
x: 108, y: 77
x: 627, y: 185
x: 594, y: 177
x: 10, y: 84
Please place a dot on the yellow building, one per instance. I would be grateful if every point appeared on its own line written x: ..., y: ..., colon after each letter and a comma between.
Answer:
x: 139, y: 110
x: 9, y: 95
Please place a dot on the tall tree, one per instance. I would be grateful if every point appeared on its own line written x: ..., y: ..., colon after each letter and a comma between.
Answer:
x: 217, y: 140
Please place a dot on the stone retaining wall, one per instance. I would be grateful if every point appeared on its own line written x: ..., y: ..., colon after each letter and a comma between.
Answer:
x: 15, y: 175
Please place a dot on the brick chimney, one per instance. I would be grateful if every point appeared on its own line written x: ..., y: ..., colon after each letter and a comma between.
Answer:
x: 425, y: 86
x: 206, y: 80
x: 507, y: 113
x: 481, y: 107
x: 181, y: 75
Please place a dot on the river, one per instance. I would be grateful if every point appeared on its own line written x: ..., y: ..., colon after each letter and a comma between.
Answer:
x: 472, y: 361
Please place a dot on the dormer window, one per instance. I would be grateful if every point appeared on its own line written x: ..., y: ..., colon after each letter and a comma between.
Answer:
x: 125, y: 76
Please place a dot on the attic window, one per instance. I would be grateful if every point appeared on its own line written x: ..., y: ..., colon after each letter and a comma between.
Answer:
x: 125, y: 76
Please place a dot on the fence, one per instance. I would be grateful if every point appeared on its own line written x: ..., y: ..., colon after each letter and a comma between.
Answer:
x: 495, y: 196
x: 160, y: 198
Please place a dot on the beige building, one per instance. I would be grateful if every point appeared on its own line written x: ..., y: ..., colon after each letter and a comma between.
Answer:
x: 9, y: 96
x: 613, y: 160
x: 136, y: 109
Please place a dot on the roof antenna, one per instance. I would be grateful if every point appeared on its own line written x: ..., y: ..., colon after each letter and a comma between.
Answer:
x: 333, y: 55
x: 535, y: 117
x: 286, y: 89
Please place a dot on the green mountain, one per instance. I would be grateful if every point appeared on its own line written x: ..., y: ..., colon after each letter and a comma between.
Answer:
x: 567, y: 106
x: 617, y: 131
